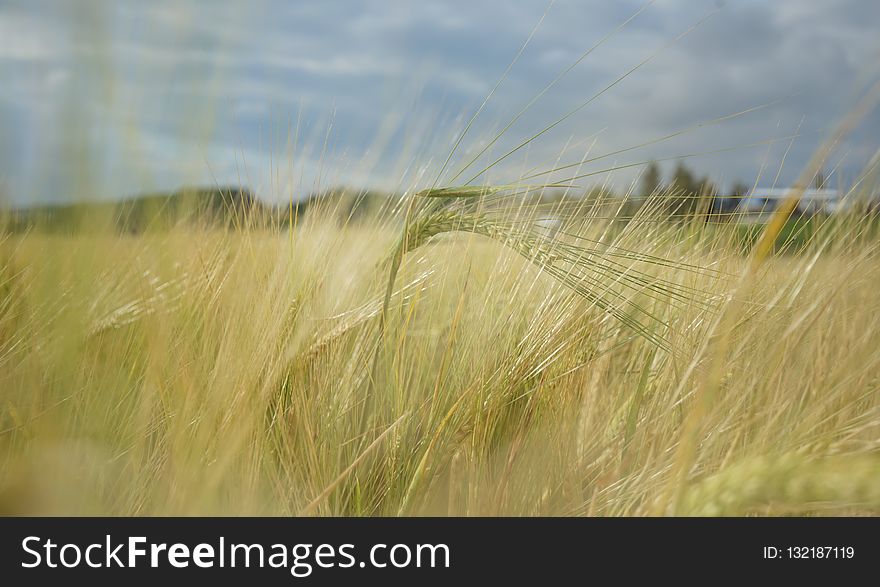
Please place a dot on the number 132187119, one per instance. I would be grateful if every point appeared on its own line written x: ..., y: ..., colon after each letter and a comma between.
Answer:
x: 809, y: 552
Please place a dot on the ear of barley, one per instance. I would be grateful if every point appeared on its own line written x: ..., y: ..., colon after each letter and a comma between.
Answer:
x: 596, y: 275
x: 791, y: 483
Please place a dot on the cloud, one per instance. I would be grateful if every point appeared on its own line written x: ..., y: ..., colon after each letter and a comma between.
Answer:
x: 403, y: 78
x: 26, y: 37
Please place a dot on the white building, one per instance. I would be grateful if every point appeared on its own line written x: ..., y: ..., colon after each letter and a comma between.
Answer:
x: 812, y: 201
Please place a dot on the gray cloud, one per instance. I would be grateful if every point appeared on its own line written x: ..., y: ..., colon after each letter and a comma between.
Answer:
x: 171, y: 92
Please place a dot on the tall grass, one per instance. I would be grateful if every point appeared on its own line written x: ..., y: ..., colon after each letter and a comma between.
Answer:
x: 211, y: 371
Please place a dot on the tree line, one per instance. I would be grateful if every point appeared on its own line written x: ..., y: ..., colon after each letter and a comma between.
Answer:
x: 686, y: 192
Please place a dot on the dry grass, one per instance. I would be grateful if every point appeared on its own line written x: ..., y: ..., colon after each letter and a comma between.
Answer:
x: 248, y: 372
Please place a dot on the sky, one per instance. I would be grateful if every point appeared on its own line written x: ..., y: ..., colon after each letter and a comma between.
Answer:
x: 111, y: 99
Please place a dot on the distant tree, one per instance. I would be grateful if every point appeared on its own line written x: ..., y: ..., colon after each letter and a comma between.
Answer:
x: 683, y: 181
x: 706, y: 187
x: 683, y: 191
x: 819, y: 180
x: 725, y: 205
x: 652, y: 180
x: 705, y: 193
x: 739, y: 189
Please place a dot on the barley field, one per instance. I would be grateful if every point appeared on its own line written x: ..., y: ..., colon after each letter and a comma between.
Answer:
x: 643, y: 369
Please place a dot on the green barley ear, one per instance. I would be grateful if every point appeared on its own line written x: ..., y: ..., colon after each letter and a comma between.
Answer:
x: 464, y: 191
x: 477, y: 191
x: 787, y: 483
